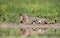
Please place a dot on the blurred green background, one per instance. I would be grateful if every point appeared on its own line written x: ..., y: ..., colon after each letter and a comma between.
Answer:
x: 10, y: 9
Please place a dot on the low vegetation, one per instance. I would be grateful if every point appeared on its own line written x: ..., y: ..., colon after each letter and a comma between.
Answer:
x: 10, y: 9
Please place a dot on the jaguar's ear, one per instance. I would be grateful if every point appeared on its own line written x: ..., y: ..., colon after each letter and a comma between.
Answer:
x: 20, y: 14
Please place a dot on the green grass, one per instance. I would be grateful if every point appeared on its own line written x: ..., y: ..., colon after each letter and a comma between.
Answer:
x: 10, y: 9
x: 14, y: 33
